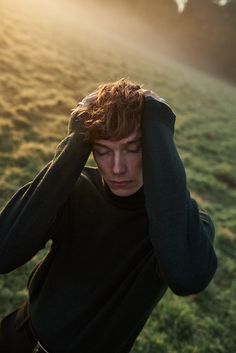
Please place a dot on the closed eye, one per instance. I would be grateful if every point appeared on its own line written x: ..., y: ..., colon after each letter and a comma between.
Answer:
x: 134, y: 148
x: 101, y: 151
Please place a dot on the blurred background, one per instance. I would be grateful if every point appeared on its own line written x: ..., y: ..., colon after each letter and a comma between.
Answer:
x: 54, y: 52
x: 200, y: 33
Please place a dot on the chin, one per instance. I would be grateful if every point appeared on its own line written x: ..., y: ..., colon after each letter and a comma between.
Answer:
x: 123, y: 192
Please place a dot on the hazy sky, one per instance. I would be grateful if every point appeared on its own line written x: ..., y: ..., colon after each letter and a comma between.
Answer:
x: 181, y: 4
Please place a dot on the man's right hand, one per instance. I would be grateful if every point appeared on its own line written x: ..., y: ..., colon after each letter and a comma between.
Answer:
x: 90, y: 98
x: 82, y: 105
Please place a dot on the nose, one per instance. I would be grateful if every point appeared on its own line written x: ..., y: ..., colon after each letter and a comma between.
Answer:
x: 119, y: 164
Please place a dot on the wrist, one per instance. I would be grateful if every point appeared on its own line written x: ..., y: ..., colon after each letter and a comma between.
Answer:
x: 158, y: 110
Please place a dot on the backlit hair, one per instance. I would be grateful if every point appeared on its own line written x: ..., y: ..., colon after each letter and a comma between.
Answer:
x: 113, y: 114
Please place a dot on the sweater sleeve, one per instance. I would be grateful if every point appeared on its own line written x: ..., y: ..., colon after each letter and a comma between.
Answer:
x: 26, y: 220
x: 182, y: 235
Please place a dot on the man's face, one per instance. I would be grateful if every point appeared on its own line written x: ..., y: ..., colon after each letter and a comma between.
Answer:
x: 120, y: 163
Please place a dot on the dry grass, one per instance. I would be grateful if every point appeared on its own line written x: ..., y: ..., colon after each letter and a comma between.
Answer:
x: 51, y: 57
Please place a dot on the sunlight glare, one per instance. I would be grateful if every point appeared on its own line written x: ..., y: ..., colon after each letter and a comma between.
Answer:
x: 181, y: 4
x: 223, y: 2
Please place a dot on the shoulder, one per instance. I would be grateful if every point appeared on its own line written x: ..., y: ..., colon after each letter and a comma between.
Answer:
x: 86, y: 189
x: 91, y: 174
x: 89, y: 178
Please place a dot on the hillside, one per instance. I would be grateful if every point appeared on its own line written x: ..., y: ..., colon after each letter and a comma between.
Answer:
x: 52, y: 55
x: 203, y: 35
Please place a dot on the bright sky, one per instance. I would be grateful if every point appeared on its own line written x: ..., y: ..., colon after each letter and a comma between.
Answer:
x: 181, y: 4
x: 223, y: 2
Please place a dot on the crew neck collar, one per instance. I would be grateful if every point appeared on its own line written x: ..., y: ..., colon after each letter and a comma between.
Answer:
x: 134, y: 201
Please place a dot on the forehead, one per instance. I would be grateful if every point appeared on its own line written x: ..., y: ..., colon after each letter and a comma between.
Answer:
x: 132, y: 138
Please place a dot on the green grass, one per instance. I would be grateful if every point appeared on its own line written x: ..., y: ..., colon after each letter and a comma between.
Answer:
x: 46, y: 67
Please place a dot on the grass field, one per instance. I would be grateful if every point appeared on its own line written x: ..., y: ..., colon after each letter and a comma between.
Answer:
x: 48, y: 63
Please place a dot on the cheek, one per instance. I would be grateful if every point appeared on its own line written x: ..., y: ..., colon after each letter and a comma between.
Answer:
x: 102, y: 164
x: 135, y: 164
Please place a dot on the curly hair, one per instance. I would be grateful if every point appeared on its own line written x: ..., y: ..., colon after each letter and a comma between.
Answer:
x: 114, y: 113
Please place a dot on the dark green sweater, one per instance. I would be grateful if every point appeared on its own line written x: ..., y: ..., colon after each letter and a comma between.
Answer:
x: 112, y: 258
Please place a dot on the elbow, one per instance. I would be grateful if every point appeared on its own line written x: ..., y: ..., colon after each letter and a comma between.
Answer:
x: 186, y: 289
x: 6, y: 265
x: 193, y: 282
x: 5, y: 268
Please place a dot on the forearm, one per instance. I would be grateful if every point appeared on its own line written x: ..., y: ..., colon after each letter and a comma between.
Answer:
x: 27, y: 217
x: 181, y: 239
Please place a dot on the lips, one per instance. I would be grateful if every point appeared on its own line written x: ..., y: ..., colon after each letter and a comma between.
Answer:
x: 121, y: 183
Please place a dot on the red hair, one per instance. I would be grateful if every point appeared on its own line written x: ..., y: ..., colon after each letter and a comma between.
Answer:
x: 114, y: 112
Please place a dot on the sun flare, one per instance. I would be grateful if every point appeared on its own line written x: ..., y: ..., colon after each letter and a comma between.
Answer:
x: 181, y: 4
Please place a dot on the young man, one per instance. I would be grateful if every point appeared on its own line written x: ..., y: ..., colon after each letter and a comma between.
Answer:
x: 121, y: 233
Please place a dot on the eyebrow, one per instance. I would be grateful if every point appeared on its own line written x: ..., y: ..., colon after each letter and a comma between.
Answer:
x: 136, y: 140
x: 99, y: 144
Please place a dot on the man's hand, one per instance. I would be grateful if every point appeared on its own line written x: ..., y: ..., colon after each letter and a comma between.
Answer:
x: 81, y: 108
x: 90, y: 98
x: 149, y: 93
